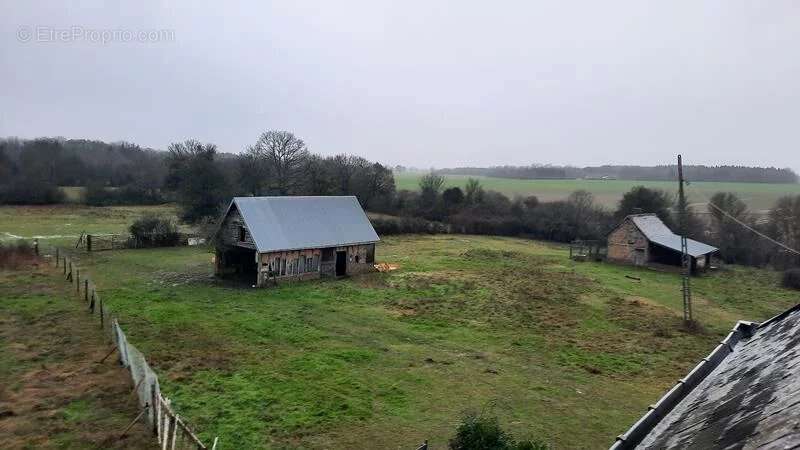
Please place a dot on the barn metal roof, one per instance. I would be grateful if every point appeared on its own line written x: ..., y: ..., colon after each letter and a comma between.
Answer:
x: 293, y: 223
x: 658, y: 233
x: 745, y: 394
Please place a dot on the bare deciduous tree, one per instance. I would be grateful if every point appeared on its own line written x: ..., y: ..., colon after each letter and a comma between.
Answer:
x: 283, y: 156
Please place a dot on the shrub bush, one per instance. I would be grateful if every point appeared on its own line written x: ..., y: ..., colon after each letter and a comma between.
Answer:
x: 791, y: 278
x: 23, y: 191
x: 154, y: 231
x: 484, y: 433
x: 408, y: 225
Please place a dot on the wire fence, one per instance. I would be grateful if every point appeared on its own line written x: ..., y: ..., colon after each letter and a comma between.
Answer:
x: 100, y: 242
x: 170, y: 430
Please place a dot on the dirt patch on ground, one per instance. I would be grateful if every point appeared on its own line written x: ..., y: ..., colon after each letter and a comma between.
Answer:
x: 54, y: 392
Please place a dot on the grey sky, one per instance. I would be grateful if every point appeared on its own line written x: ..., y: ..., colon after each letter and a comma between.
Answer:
x: 418, y: 82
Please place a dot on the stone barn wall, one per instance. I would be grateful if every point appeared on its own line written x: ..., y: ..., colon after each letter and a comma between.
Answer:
x: 628, y: 245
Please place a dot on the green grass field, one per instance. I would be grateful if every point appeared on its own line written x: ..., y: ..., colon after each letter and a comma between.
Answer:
x: 499, y: 325
x: 758, y: 196
x: 503, y: 326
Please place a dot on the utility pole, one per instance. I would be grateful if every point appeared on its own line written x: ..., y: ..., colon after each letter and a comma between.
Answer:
x: 685, y: 258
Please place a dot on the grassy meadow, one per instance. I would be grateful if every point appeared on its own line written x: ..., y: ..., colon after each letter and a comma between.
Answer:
x: 758, y: 196
x: 63, y: 224
x: 502, y: 326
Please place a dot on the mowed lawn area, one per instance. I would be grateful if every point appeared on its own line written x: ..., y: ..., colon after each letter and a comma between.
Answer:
x: 568, y: 353
x: 757, y: 196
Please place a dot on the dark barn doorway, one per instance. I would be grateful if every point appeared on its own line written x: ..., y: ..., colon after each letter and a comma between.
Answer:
x: 241, y: 264
x: 341, y: 264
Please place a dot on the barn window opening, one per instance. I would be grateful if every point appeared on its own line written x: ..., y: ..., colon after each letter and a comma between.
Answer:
x: 302, y: 265
x: 283, y: 266
x: 242, y: 234
x: 327, y: 254
x: 356, y: 259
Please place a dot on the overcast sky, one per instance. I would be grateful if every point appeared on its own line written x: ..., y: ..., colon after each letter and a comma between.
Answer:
x: 420, y: 83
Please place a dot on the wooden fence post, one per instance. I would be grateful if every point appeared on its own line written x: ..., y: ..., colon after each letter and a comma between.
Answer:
x: 154, y: 402
x: 91, y: 305
x: 165, y: 428
x: 65, y: 265
x: 88, y: 242
x: 174, y: 432
x: 57, y: 257
x: 78, y: 281
x: 102, y: 319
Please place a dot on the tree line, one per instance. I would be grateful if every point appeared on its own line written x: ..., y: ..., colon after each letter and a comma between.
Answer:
x: 741, y: 174
x: 201, y: 180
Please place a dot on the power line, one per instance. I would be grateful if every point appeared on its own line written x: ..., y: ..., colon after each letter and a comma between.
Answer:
x: 726, y: 214
x: 780, y: 244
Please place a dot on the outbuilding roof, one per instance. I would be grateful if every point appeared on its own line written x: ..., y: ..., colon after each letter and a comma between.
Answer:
x: 745, y: 394
x: 658, y: 233
x: 293, y: 223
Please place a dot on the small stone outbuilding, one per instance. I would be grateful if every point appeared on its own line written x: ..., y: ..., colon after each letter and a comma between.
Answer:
x: 273, y: 239
x: 644, y: 240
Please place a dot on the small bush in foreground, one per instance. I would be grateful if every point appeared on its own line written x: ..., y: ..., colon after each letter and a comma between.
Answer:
x: 791, y: 279
x: 484, y: 433
x: 154, y: 231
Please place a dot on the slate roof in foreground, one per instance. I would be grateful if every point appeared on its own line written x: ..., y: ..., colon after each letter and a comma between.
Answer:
x: 294, y: 223
x: 744, y: 395
x: 658, y: 233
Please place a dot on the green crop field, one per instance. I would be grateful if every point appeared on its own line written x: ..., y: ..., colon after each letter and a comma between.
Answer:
x: 503, y: 326
x: 758, y: 196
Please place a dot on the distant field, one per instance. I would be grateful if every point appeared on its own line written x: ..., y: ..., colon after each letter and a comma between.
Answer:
x: 64, y: 223
x: 758, y: 196
x: 73, y: 194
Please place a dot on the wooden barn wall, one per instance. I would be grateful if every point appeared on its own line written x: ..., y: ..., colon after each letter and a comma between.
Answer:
x: 624, y: 242
x: 356, y: 263
x: 229, y: 231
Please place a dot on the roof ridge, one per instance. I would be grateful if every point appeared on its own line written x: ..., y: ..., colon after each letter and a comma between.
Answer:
x: 686, y: 385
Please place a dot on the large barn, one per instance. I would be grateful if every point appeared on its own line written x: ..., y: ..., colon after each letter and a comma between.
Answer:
x: 270, y: 239
x: 644, y: 240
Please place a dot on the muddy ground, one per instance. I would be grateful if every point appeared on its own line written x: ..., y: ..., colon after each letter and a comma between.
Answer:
x: 53, y: 391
